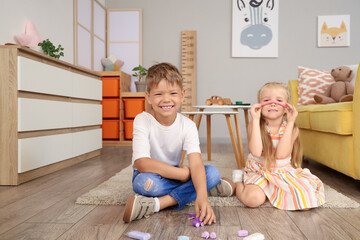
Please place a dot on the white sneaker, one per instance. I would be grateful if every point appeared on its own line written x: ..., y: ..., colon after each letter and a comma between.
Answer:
x: 237, y: 175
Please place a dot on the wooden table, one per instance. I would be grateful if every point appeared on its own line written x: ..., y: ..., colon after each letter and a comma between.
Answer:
x: 237, y: 146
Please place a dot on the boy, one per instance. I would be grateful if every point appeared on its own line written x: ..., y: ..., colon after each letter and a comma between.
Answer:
x: 159, y: 137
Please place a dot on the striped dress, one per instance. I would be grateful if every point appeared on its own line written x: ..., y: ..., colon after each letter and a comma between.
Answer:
x: 286, y: 188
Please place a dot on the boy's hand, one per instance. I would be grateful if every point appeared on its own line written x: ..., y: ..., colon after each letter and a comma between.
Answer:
x: 187, y: 175
x: 255, y: 111
x: 204, y: 211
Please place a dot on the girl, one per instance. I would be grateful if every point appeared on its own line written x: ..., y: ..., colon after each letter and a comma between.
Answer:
x: 273, y: 166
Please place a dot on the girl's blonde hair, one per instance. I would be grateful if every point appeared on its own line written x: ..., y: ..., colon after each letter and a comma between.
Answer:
x: 268, y: 148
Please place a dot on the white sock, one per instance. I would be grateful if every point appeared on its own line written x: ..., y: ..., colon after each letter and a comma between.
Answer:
x: 157, y: 204
x: 237, y: 175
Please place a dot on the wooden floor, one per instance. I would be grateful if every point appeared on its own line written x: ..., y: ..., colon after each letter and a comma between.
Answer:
x: 45, y: 209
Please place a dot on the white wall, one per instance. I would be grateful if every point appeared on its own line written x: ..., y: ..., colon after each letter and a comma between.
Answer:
x: 217, y: 72
x: 53, y: 19
x: 240, y: 78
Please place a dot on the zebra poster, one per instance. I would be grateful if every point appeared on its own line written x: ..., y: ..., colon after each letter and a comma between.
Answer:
x: 255, y: 28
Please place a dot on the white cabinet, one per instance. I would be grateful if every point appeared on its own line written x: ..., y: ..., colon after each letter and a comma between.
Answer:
x: 50, y: 114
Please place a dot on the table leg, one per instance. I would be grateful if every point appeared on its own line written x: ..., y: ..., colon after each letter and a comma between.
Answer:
x: 233, y: 140
x: 246, y: 115
x: 240, y: 144
x: 198, y: 119
x: 208, y: 127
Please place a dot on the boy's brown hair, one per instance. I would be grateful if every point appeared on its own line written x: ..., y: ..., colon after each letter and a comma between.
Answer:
x: 162, y: 71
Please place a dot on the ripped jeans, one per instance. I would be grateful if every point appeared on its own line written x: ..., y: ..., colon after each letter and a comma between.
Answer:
x: 153, y: 185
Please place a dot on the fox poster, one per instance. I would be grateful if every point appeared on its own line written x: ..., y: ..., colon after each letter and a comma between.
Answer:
x: 255, y: 28
x: 334, y: 31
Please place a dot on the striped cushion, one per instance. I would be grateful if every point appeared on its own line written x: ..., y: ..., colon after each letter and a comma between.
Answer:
x: 311, y: 82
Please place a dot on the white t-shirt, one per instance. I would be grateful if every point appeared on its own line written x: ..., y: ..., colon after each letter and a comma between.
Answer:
x: 164, y: 143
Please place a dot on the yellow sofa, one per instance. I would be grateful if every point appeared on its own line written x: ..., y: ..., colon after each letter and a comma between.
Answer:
x: 330, y: 133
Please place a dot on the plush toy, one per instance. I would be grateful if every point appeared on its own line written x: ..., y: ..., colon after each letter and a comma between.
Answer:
x: 341, y: 90
x: 111, y: 63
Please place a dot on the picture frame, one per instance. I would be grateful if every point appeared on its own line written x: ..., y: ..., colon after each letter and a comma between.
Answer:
x: 333, y: 31
x: 255, y: 28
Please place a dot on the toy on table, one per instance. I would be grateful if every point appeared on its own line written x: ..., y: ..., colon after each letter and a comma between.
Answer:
x: 215, y: 100
x: 241, y: 103
x: 196, y: 223
x: 275, y: 102
x: 339, y: 91
x: 139, y: 235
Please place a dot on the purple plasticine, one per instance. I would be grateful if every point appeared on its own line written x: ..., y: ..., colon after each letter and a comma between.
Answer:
x: 205, y: 235
x: 196, y: 223
x: 213, y: 235
x: 139, y: 235
x: 243, y: 233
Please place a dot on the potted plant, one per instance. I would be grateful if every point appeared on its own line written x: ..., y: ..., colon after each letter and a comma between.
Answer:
x: 49, y: 49
x: 140, y: 73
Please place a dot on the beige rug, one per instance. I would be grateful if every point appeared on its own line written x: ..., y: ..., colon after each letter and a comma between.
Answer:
x: 116, y: 190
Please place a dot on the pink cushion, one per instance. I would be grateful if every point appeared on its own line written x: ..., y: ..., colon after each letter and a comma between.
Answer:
x: 311, y: 82
x: 30, y: 38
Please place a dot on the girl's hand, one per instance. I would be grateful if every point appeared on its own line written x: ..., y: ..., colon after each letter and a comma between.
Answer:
x: 291, y: 113
x: 186, y: 172
x: 255, y: 111
x: 204, y: 211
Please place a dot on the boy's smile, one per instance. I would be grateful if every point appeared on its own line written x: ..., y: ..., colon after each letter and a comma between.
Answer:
x: 165, y: 99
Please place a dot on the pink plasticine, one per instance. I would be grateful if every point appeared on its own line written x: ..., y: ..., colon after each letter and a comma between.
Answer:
x: 243, y: 233
x: 276, y: 102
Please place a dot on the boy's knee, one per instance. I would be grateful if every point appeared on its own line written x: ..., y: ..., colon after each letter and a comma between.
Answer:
x: 212, y: 175
x: 144, y: 184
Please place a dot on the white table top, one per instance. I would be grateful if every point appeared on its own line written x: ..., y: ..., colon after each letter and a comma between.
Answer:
x: 210, y: 113
x: 215, y: 106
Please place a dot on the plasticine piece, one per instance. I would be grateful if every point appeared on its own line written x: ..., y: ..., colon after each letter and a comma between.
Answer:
x: 255, y: 236
x: 238, y: 102
x: 213, y: 235
x: 276, y: 102
x: 243, y: 233
x: 196, y: 223
x: 205, y: 235
x: 139, y: 235
x: 183, y: 238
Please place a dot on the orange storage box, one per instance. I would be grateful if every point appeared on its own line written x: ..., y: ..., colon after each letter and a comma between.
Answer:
x: 128, y: 128
x: 110, y: 129
x: 110, y: 108
x: 111, y: 86
x: 133, y: 106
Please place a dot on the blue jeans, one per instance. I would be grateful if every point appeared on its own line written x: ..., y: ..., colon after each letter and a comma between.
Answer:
x: 182, y: 192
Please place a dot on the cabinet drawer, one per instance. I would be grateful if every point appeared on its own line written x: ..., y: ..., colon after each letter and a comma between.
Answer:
x: 111, y: 108
x: 86, y: 114
x: 41, y: 151
x: 34, y: 76
x: 86, y: 87
x: 37, y: 114
x: 87, y: 141
x: 111, y: 86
